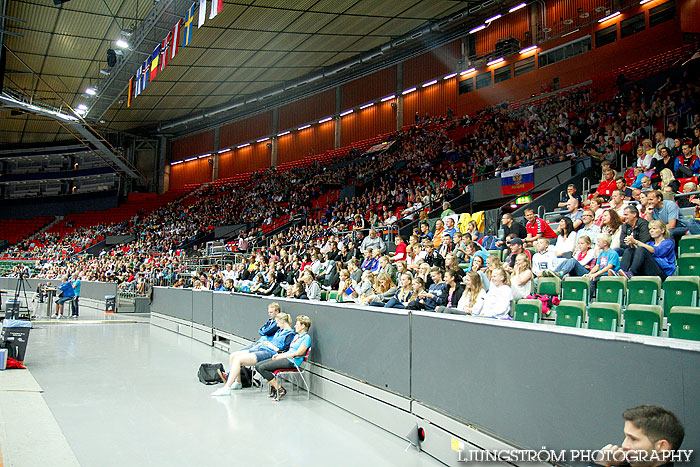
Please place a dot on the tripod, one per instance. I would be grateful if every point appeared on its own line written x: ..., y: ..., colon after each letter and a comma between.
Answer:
x: 20, y: 287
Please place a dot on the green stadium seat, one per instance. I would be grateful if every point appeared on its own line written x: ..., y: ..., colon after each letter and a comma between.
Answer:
x: 689, y: 244
x: 571, y: 313
x: 528, y: 310
x: 644, y: 290
x: 604, y: 316
x: 680, y: 291
x: 496, y: 253
x: 333, y: 295
x: 688, y: 264
x: 549, y: 286
x: 324, y: 295
x: 576, y: 288
x: 643, y: 319
x: 612, y: 290
x: 684, y: 323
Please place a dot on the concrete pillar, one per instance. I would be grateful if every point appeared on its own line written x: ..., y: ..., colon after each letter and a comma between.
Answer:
x: 338, y: 120
x: 399, y: 96
x: 217, y: 146
x: 162, y: 166
x: 275, y: 140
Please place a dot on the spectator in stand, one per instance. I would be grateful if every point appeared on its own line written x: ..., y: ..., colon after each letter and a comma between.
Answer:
x: 404, y: 294
x: 425, y: 231
x: 612, y: 223
x: 574, y: 213
x: 570, y: 193
x: 374, y: 242
x: 522, y: 278
x: 312, y: 288
x: 621, y: 184
x: 498, y: 298
x: 589, y: 228
x: 450, y: 227
x: 400, y: 254
x: 644, y: 160
x: 646, y: 184
x: 544, y: 259
x: 580, y: 264
x: 686, y: 164
x: 437, y: 233
x: 634, y: 227
x: 669, y: 213
x: 536, y: 228
x: 606, y: 187
x: 617, y: 202
x: 435, y: 296
x: 607, y: 263
x: 384, y: 288
x: 662, y: 142
x: 654, y: 258
x: 638, y: 176
x: 566, y: 240
x: 665, y: 161
x: 515, y: 245
x: 446, y: 210
x: 473, y: 231
x: 455, y: 290
x: 509, y: 227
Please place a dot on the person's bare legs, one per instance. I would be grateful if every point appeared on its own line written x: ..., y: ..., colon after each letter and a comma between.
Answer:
x: 237, y: 361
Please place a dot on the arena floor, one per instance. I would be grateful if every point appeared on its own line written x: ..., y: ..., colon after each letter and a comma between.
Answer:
x: 120, y: 392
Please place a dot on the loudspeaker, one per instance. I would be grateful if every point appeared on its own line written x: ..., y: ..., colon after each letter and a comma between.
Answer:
x: 111, y: 58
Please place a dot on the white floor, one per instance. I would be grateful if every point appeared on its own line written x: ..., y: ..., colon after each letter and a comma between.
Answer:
x: 124, y: 393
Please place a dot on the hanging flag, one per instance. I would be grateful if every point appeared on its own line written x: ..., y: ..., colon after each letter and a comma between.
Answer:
x: 188, y: 26
x: 137, y: 82
x: 175, y: 39
x: 216, y: 6
x: 517, y: 181
x: 154, y: 62
x: 202, y: 13
x: 131, y: 89
x: 145, y: 73
x: 165, y: 51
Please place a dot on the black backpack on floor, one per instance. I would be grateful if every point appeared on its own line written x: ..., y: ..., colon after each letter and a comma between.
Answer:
x: 208, y: 373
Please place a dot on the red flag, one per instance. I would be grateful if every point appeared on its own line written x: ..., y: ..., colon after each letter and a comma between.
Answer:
x: 216, y: 6
x: 175, y: 39
x: 131, y: 90
x: 165, y: 51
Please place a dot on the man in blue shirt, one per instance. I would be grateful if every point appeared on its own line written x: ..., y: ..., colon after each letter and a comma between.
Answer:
x: 66, y: 293
x: 76, y: 288
x: 669, y: 213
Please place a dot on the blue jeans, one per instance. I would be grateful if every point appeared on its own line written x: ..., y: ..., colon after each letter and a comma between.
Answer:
x: 571, y: 267
x: 394, y: 303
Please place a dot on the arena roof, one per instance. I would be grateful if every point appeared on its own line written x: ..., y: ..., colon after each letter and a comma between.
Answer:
x: 251, y: 46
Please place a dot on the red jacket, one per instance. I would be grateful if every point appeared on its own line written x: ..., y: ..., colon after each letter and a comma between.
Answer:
x: 606, y: 188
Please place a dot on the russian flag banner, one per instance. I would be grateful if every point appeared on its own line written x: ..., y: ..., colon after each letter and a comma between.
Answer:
x: 516, y: 181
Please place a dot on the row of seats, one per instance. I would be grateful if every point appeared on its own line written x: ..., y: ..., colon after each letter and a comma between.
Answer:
x: 682, y: 322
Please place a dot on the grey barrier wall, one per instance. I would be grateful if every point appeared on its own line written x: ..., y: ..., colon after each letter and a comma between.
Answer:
x: 337, y: 342
x: 202, y: 310
x: 488, y: 190
x: 504, y: 377
x: 94, y: 290
x: 531, y: 384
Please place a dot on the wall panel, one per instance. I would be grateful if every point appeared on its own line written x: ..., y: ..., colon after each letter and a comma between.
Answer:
x: 309, y: 142
x: 196, y: 171
x: 193, y: 145
x: 433, y: 64
x: 306, y: 110
x: 516, y: 24
x: 243, y: 160
x: 623, y: 52
x: 433, y: 100
x: 374, y: 86
x: 251, y: 128
x: 368, y: 123
x: 559, y: 11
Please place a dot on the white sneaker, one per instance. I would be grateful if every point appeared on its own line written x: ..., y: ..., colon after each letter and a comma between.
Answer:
x: 222, y: 392
x: 237, y: 385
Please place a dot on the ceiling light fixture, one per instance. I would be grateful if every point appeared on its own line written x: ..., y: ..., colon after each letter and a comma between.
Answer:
x: 388, y: 98
x: 609, y: 17
x: 517, y: 7
x: 82, y: 107
x: 408, y: 91
x: 477, y: 29
x: 495, y: 61
x: 493, y: 18
x: 304, y: 127
x: 283, y: 133
x: 466, y: 72
x: 243, y: 145
x: 262, y: 140
x: 529, y: 49
x: 91, y: 91
x: 122, y: 44
x: 366, y: 106
x: 451, y: 75
x: 347, y: 112
x: 429, y: 83
x: 221, y: 151
x: 324, y: 120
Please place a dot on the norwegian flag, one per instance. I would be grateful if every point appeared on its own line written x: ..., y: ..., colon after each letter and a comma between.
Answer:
x: 165, y: 51
x: 216, y: 6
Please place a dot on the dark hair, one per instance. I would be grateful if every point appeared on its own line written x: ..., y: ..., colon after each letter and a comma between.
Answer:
x: 632, y: 209
x: 656, y: 423
x: 568, y: 226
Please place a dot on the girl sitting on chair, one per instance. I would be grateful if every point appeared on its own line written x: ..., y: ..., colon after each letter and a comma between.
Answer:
x: 288, y: 360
